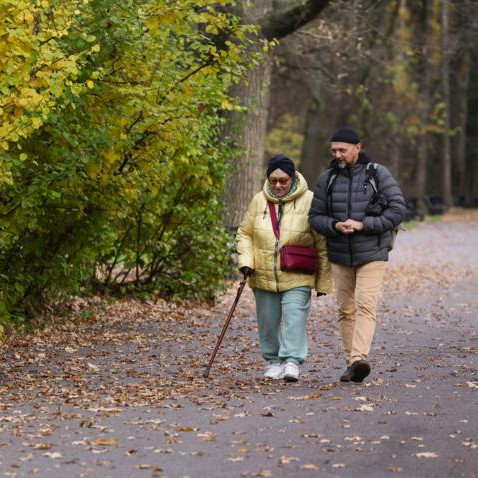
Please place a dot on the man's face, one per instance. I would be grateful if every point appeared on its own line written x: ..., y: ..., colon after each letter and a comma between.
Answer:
x: 344, y: 153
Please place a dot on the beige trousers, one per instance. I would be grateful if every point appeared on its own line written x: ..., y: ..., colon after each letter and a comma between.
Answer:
x: 357, y: 290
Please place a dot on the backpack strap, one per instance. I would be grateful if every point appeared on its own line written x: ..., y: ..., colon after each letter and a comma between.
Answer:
x: 372, y: 176
x: 331, y: 180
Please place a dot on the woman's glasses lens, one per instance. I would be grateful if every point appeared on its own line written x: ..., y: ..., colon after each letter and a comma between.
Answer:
x: 281, y: 181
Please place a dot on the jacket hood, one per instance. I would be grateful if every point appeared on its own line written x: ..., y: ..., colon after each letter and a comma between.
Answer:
x: 301, y: 189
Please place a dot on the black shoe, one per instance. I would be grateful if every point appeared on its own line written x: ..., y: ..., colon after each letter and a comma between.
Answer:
x: 345, y: 377
x: 359, y: 370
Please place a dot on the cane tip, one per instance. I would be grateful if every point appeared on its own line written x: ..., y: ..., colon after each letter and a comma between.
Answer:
x: 205, y: 374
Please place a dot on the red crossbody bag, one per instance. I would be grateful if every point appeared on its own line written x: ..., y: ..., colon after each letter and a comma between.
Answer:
x: 293, y: 258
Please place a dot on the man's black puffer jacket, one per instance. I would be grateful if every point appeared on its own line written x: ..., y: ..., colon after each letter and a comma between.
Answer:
x: 347, y: 199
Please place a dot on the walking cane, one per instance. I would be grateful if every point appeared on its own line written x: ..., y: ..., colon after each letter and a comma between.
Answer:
x: 224, y: 328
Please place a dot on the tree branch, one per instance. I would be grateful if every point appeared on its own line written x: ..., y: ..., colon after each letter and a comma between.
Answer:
x: 288, y: 20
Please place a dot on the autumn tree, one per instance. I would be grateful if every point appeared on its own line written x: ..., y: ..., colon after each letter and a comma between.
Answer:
x: 112, y: 167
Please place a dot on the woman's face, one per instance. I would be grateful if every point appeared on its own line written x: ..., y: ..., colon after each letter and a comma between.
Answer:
x: 280, y: 182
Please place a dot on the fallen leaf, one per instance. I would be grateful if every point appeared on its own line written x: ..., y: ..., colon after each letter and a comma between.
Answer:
x: 308, y: 396
x: 426, y: 454
x: 264, y: 474
x: 53, y: 454
x: 93, y: 367
x: 364, y: 408
x: 235, y: 458
x: 41, y: 446
x: 105, y: 441
x: 394, y: 469
x: 28, y: 457
x: 309, y: 466
x: 285, y: 460
x: 207, y: 436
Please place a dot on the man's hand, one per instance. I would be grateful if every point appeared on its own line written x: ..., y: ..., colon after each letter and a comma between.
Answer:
x: 355, y: 225
x: 349, y: 226
x: 344, y: 228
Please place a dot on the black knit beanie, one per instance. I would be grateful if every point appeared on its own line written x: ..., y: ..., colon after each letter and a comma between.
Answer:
x: 281, y: 162
x: 346, y: 135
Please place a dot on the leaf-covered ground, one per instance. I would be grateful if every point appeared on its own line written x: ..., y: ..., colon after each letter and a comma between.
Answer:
x: 121, y: 394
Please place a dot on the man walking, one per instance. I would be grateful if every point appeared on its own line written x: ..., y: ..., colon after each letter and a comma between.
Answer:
x: 357, y: 206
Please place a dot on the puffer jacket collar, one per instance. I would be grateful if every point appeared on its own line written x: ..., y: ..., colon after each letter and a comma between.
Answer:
x: 301, y: 189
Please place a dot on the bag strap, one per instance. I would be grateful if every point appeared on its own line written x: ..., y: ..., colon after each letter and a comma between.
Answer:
x: 275, y: 224
x: 372, y: 176
x: 331, y: 180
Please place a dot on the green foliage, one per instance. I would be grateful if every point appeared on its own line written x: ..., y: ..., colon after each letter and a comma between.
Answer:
x: 118, y: 184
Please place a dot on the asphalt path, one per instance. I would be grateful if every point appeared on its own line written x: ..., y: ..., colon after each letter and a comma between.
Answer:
x: 121, y: 394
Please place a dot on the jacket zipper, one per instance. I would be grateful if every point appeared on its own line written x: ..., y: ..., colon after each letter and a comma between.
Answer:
x: 280, y: 211
x: 349, y: 208
x: 276, y: 255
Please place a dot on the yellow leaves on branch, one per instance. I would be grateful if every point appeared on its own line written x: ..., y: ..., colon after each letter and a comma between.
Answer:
x: 35, y: 71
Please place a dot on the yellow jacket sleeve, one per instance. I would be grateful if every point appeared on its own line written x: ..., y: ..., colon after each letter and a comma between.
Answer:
x: 324, y: 273
x: 244, y: 238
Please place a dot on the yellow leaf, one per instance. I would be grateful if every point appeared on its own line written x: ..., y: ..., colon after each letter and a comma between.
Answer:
x: 41, y: 446
x: 212, y: 29
x: 36, y: 122
x: 309, y: 466
x: 105, y: 441
x: 90, y: 84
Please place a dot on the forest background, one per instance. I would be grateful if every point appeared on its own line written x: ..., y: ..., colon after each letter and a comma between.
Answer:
x: 133, y: 134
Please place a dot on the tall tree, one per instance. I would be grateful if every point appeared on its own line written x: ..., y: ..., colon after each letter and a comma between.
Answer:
x: 445, y: 79
x: 425, y: 99
x: 276, y: 20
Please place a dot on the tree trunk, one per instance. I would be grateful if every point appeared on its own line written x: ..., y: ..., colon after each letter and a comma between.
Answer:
x: 312, y: 157
x: 462, y: 103
x: 445, y: 78
x: 250, y: 134
x: 425, y: 95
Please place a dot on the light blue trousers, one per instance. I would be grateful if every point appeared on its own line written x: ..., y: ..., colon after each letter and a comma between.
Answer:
x: 282, y: 319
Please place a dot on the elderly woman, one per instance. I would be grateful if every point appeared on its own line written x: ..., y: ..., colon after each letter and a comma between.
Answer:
x: 282, y: 296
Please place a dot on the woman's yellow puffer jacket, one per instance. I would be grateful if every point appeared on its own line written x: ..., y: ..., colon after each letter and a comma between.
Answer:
x: 256, y: 242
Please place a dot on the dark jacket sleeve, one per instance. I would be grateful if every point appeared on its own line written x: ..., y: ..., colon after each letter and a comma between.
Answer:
x: 394, y: 213
x: 319, y: 219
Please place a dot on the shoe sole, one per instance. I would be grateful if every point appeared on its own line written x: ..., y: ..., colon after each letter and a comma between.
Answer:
x: 290, y: 378
x: 359, y: 372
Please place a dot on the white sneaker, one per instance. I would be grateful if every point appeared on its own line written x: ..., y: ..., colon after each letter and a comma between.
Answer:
x: 274, y: 370
x: 291, y: 372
